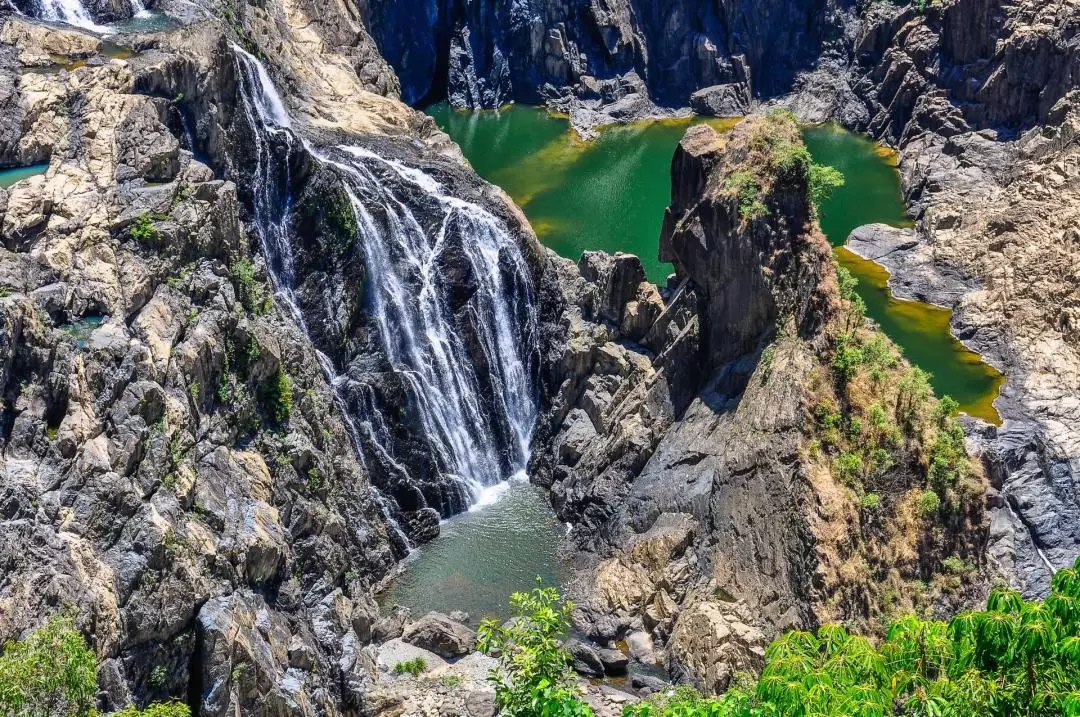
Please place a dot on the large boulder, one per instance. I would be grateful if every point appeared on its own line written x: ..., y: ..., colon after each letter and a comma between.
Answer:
x: 439, y: 634
x: 712, y: 641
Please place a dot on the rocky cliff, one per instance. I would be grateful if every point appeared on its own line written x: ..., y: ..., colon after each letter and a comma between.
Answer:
x: 724, y: 478
x: 976, y: 94
x: 193, y: 388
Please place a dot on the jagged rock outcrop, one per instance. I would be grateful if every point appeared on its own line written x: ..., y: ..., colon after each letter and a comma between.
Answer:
x: 686, y: 457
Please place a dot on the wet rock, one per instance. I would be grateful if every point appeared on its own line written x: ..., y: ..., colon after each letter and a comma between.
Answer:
x: 615, y: 662
x: 439, y: 634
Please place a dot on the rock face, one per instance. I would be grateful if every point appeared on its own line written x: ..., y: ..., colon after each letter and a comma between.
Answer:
x: 482, y: 53
x: 684, y: 455
x: 676, y: 456
x: 177, y: 468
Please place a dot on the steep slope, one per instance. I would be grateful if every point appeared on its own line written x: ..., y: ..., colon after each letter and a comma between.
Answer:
x: 747, y: 458
x: 199, y: 404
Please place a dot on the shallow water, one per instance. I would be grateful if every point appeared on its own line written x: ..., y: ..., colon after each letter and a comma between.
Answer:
x: 482, y: 556
x: 10, y: 176
x: 608, y: 193
x: 872, y: 193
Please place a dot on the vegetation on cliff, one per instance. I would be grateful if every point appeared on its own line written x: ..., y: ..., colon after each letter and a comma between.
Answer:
x: 1016, y: 658
x: 1013, y: 659
x: 53, y: 673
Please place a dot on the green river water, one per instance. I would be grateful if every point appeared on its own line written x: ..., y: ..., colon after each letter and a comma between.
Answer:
x: 10, y: 176
x: 610, y: 193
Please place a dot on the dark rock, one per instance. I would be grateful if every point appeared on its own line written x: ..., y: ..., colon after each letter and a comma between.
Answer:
x: 648, y: 684
x: 615, y: 662
x: 439, y: 634
x: 586, y: 660
x: 730, y: 100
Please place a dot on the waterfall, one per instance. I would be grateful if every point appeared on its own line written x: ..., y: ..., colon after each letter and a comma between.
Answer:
x: 70, y: 11
x: 419, y: 334
x: 477, y: 420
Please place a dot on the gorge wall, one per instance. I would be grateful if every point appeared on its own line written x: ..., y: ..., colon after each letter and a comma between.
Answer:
x: 978, y: 96
x: 212, y: 453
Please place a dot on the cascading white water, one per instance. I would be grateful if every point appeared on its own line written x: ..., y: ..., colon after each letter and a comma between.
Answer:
x: 72, y: 12
x: 420, y: 337
x: 476, y: 449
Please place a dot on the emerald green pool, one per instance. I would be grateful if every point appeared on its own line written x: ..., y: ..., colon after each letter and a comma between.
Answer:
x: 871, y: 193
x: 610, y: 193
x: 483, y: 556
x: 10, y: 176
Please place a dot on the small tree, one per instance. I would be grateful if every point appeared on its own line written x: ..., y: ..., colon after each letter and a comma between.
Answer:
x: 533, y: 678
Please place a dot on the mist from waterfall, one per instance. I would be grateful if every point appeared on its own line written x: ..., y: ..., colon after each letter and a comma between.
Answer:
x: 476, y: 420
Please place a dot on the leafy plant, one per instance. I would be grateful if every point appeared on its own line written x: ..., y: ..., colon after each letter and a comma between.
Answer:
x: 745, y: 186
x: 143, y: 230
x: 53, y: 673
x: 277, y: 397
x: 533, y: 678
x: 414, y: 667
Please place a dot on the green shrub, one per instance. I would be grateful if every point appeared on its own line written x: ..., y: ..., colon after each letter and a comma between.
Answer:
x: 849, y: 468
x: 277, y: 395
x: 53, y: 673
x: 745, y: 186
x: 955, y: 566
x: 533, y: 678
x: 824, y: 181
x: 870, y: 501
x: 159, y: 709
x: 414, y: 667
x: 143, y: 229
x: 929, y: 503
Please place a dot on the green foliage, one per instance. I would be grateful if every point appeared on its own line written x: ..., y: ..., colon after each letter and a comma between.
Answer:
x: 250, y: 290
x: 51, y: 672
x: 314, y: 479
x: 159, y: 709
x: 533, y: 678
x: 948, y: 457
x: 158, y: 677
x: 849, y: 468
x: 277, y: 398
x: 1015, y: 659
x: 745, y: 186
x: 414, y: 667
x: 824, y: 181
x: 143, y: 229
x: 451, y: 681
x: 914, y: 393
x: 929, y: 503
x: 870, y: 501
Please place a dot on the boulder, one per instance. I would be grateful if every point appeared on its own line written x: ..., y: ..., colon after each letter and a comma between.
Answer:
x: 439, y: 634
x: 712, y: 641
x: 585, y: 660
x: 727, y: 100
x: 615, y: 662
